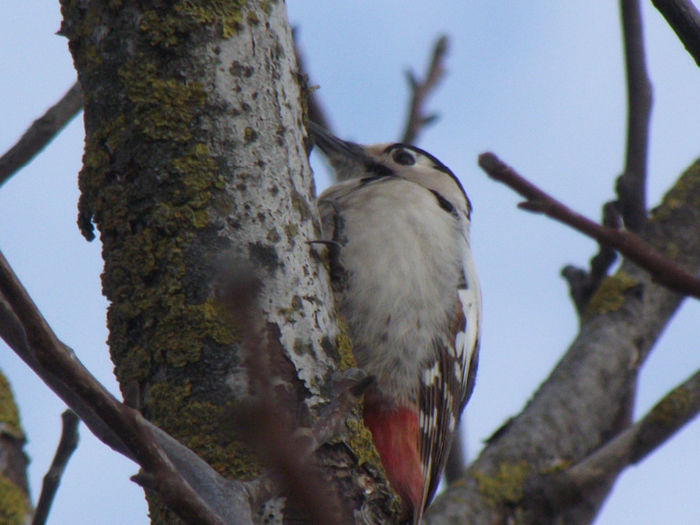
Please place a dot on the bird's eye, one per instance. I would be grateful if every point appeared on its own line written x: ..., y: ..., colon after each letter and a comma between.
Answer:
x: 403, y: 157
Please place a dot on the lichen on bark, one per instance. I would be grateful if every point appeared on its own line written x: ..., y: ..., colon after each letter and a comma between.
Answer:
x: 14, y: 491
x: 194, y: 156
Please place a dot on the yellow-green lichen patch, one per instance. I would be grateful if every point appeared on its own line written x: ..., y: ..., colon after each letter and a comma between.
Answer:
x: 360, y: 442
x: 161, y: 108
x: 290, y: 312
x: 505, y: 486
x: 147, y: 238
x: 167, y: 28
x: 300, y: 205
x: 343, y: 344
x: 198, y: 160
x: 9, y: 415
x: 228, y: 13
x: 686, y: 191
x: 290, y: 230
x: 610, y: 295
x: 249, y: 135
x: 203, y: 427
x: 13, y: 503
x: 672, y: 407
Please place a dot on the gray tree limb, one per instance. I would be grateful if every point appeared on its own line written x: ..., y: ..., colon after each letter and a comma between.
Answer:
x: 684, y: 19
x: 631, y: 185
x: 41, y: 132
x: 585, y: 402
x: 186, y: 483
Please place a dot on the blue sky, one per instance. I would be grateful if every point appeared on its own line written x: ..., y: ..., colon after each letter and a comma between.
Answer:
x: 539, y: 83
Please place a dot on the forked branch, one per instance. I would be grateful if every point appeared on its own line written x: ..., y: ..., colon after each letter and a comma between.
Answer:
x: 663, y: 269
x: 629, y: 447
x: 421, y: 89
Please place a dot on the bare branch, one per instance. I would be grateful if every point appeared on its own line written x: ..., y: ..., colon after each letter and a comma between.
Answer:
x: 684, y: 18
x: 420, y: 90
x: 631, y: 185
x: 663, y: 269
x: 266, y: 424
x: 66, y: 446
x: 630, y: 446
x: 174, y: 469
x: 41, y: 132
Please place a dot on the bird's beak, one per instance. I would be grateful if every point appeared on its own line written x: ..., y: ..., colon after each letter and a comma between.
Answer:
x: 333, y: 147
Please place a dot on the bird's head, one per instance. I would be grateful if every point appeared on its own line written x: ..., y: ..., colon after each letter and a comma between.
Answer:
x: 353, y: 161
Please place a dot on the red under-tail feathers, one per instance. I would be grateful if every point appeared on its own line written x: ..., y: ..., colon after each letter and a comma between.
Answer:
x: 395, y: 436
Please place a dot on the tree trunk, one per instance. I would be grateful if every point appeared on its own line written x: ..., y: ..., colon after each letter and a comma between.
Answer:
x: 195, y: 167
x: 14, y: 491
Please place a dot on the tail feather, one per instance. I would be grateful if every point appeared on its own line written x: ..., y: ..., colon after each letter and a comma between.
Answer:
x: 395, y: 436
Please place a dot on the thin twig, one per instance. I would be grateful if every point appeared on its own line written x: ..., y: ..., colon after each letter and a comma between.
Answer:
x: 420, y: 90
x: 663, y: 269
x: 66, y: 446
x: 684, y: 18
x: 631, y: 185
x: 41, y: 132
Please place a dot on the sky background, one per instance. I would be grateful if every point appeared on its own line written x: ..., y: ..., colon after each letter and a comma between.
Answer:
x: 539, y: 83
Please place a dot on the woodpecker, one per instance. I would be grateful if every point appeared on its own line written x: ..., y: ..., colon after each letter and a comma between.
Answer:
x: 397, y: 231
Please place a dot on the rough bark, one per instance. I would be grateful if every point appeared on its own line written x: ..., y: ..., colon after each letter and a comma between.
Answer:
x: 587, y: 398
x: 195, y: 164
x: 14, y: 490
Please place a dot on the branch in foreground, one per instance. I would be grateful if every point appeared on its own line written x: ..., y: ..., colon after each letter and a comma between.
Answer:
x: 631, y: 185
x: 66, y: 446
x: 41, y: 132
x: 663, y: 269
x: 183, y: 480
x: 417, y: 119
x: 668, y: 416
x: 267, y: 423
x: 684, y: 18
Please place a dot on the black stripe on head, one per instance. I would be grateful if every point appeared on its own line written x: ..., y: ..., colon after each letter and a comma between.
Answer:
x: 436, y: 164
x: 378, y: 170
x: 444, y: 203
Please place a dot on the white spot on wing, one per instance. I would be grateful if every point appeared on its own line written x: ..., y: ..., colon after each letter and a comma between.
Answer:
x: 430, y: 375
